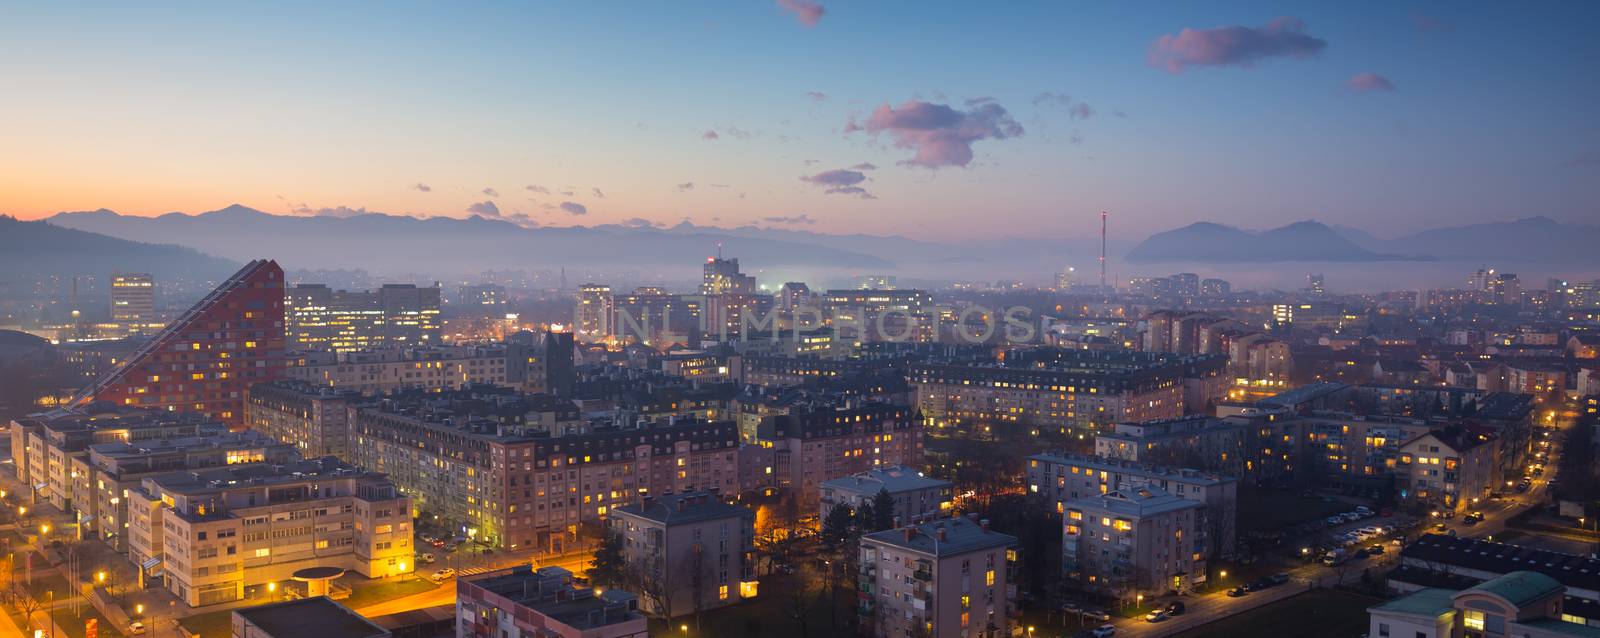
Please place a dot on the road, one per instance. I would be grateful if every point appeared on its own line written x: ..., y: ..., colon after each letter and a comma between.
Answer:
x: 446, y: 595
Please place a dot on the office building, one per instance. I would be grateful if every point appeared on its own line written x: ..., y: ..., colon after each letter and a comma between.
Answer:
x: 1134, y: 540
x: 943, y: 579
x: 917, y: 498
x: 475, y: 460
x: 695, y: 551
x: 722, y: 276
x: 596, y: 313
x: 314, y: 419
x: 205, y: 359
x: 133, y: 299
x: 212, y: 533
x: 544, y: 602
x: 399, y: 315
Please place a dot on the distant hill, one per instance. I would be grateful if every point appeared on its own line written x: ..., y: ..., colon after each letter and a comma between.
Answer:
x: 1533, y: 238
x: 1206, y: 242
x: 393, y: 243
x: 37, y: 247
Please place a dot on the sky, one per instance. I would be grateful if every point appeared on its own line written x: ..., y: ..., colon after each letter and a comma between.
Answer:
x: 936, y: 120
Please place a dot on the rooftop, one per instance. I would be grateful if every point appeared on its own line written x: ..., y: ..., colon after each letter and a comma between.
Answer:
x: 318, y: 616
x: 1142, y: 501
x: 1187, y: 475
x: 688, y: 507
x: 895, y: 479
x: 1432, y: 602
x: 959, y: 536
x: 1520, y: 588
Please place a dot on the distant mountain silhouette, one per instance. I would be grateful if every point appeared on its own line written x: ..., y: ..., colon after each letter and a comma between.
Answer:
x: 1206, y: 242
x: 394, y: 243
x: 37, y: 247
x: 1538, y: 239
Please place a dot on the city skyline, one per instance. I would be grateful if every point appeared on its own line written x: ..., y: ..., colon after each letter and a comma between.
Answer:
x: 826, y: 118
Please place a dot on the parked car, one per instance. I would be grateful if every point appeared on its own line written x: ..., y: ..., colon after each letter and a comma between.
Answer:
x: 1279, y: 578
x: 1175, y: 608
x: 135, y: 628
x: 1375, y: 549
x: 1105, y: 631
x: 1155, y: 616
x: 442, y: 575
x: 1096, y: 615
x: 425, y: 558
x: 437, y: 542
x: 1236, y: 592
x: 1335, y: 520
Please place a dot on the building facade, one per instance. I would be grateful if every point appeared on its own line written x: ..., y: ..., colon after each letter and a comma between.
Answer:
x: 527, y: 602
x: 943, y: 579
x: 339, y: 320
x: 694, y: 551
x: 917, y: 498
x: 1138, y: 541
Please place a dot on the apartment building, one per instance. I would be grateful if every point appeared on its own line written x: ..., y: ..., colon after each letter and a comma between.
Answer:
x: 1200, y: 442
x: 51, y: 449
x: 696, y: 551
x: 943, y: 579
x: 811, y: 444
x: 1351, y: 449
x: 211, y: 533
x: 544, y: 602
x: 114, y: 469
x: 1449, y: 470
x: 917, y: 498
x: 1067, y: 477
x: 1134, y: 541
x: 389, y: 369
x: 314, y: 418
x: 1068, y: 389
x: 473, y: 459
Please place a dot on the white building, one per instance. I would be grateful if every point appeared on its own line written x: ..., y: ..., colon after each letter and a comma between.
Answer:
x: 945, y: 579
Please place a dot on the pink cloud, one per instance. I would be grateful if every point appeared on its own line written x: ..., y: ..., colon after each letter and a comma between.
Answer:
x: 1369, y: 82
x: 1234, y: 46
x: 806, y: 11
x: 940, y: 135
x: 840, y: 182
x: 709, y: 135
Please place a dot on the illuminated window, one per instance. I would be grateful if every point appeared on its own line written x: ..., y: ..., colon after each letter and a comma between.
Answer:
x: 1473, y: 620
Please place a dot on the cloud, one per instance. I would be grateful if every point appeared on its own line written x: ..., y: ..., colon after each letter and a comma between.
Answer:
x: 638, y: 222
x: 1424, y: 22
x: 791, y: 219
x: 686, y: 186
x: 1076, y: 109
x: 566, y: 192
x: 817, y: 96
x: 485, y: 208
x: 738, y: 132
x: 806, y: 11
x: 423, y: 187
x: 1368, y: 82
x: 597, y: 193
x: 709, y: 135
x: 491, y: 192
x: 1234, y: 46
x: 864, y: 166
x: 840, y: 182
x: 336, y: 211
x: 535, y: 188
x: 575, y: 208
x: 940, y: 135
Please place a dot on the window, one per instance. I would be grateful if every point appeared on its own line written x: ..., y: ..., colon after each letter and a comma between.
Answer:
x: 1383, y: 630
x: 1473, y: 620
x: 722, y: 592
x: 263, y: 552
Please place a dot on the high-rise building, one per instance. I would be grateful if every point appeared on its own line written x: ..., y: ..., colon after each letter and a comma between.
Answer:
x: 596, y: 310
x: 339, y: 320
x: 133, y: 299
x: 1186, y: 284
x: 205, y: 359
x: 875, y: 282
x: 1215, y: 288
x: 722, y: 276
x: 1064, y: 279
x: 1315, y: 284
x: 482, y: 298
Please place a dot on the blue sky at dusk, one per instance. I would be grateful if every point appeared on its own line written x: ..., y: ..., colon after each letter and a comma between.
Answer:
x: 1387, y: 117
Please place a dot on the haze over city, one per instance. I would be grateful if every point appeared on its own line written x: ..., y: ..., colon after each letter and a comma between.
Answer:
x: 800, y: 319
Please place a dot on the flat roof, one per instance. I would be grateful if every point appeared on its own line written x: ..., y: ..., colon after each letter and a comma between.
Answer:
x: 961, y: 535
x: 320, y: 616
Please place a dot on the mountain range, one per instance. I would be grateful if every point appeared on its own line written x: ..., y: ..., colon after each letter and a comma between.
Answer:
x: 1530, y: 240
x: 40, y: 248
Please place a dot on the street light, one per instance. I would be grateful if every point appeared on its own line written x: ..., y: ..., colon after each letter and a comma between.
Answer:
x: 100, y: 577
x: 685, y: 628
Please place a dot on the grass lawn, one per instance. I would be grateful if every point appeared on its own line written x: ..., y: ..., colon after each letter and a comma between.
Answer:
x: 215, y: 623
x: 1319, y: 613
x: 72, y: 625
x: 1270, y: 510
x: 371, y: 594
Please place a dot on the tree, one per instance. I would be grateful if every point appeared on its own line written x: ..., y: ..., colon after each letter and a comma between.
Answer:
x: 609, y: 566
x: 695, y: 564
x: 865, y: 518
x: 655, y: 585
x: 883, y: 511
x: 836, y: 527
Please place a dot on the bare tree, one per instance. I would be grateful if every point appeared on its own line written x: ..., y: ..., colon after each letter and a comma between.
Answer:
x: 647, y: 578
x: 695, y: 565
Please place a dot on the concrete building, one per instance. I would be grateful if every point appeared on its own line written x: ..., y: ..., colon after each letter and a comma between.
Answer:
x: 1201, y: 442
x: 694, y: 551
x: 474, y: 459
x: 211, y: 533
x: 917, y: 498
x: 1525, y: 604
x: 1067, y: 477
x: 944, y: 579
x: 810, y: 444
x: 523, y: 601
x: 1134, y: 541
x: 394, y: 315
x: 1449, y: 470
x: 317, y: 616
x: 315, y: 419
x: 596, y: 313
x: 390, y: 369
x: 133, y: 299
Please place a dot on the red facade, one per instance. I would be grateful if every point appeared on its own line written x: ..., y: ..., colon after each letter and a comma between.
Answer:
x: 204, y: 361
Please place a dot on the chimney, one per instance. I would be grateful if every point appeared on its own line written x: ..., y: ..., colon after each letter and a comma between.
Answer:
x: 941, y: 533
x: 897, y: 521
x: 911, y: 532
x: 683, y: 502
x: 646, y: 501
x: 984, y: 524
